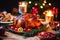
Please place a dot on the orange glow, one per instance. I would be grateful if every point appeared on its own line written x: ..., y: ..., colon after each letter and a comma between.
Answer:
x: 49, y: 13
x: 42, y: 33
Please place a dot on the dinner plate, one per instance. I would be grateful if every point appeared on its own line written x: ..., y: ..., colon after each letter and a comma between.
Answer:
x: 7, y: 22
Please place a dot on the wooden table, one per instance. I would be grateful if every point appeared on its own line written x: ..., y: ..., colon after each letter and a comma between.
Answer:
x: 12, y: 36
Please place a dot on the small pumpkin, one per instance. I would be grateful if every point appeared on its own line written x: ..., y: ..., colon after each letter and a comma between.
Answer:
x: 20, y: 29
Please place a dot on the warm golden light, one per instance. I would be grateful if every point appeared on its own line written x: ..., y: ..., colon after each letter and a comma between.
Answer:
x: 29, y: 2
x: 41, y: 6
x: 19, y: 21
x: 49, y: 16
x: 42, y: 33
x: 23, y: 5
x: 45, y: 2
x: 49, y: 4
x: 49, y: 13
x: 35, y: 4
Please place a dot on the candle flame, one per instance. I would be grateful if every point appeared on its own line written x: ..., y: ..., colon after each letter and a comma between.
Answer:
x: 48, y: 13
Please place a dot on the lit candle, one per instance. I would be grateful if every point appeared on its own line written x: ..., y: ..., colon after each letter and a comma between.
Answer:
x: 49, y: 16
x: 22, y: 7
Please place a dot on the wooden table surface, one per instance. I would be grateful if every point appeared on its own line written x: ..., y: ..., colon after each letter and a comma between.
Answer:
x: 12, y: 36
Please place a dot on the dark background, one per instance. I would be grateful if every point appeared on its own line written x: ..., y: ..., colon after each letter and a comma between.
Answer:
x: 9, y: 4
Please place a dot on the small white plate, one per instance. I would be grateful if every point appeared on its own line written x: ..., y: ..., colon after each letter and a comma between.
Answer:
x: 7, y: 22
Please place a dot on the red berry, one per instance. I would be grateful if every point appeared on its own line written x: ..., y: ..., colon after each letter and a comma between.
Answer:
x: 16, y: 29
x: 28, y: 30
x: 12, y: 27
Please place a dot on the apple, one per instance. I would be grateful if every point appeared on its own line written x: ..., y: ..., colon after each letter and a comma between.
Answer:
x: 28, y: 30
x: 24, y: 29
x: 12, y: 27
x: 16, y: 29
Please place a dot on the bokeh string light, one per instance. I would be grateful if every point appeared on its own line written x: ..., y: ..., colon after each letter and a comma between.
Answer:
x: 44, y: 3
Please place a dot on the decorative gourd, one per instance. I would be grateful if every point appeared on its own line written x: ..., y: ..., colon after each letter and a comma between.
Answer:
x: 20, y: 29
